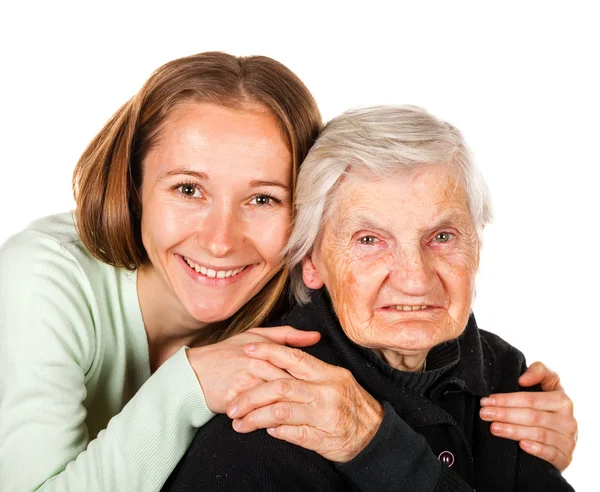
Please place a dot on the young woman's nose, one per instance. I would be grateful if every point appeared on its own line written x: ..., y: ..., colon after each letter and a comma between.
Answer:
x: 220, y: 231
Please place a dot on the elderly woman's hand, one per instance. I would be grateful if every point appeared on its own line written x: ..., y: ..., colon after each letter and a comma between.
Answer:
x: 542, y: 422
x: 323, y: 409
x: 224, y: 370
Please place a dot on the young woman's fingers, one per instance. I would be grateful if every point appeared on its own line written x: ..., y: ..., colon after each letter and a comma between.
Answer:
x: 527, y: 417
x: 279, y: 413
x: 548, y: 453
x: 552, y: 401
x: 540, y: 435
x: 290, y: 390
x: 287, y: 335
x: 539, y: 373
x: 298, y: 363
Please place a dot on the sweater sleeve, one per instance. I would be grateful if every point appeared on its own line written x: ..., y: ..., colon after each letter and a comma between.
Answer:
x: 221, y: 460
x: 46, y: 352
x: 399, y: 459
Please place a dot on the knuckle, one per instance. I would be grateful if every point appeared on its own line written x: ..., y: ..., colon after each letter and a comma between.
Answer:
x: 297, y: 355
x: 536, y: 418
x: 566, y: 403
x: 281, y: 411
x: 572, y: 428
x: 541, y: 435
x: 345, y: 376
x: 302, y: 436
x: 549, y: 453
x: 245, y: 381
x: 230, y: 395
x: 283, y: 387
x: 529, y: 399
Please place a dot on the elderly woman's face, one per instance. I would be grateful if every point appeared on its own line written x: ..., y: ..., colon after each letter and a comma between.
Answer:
x: 398, y: 257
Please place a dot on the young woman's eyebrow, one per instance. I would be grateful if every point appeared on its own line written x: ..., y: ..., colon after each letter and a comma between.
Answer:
x: 255, y: 183
x: 185, y: 172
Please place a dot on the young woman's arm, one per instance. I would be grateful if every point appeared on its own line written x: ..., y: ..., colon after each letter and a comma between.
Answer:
x: 48, y: 356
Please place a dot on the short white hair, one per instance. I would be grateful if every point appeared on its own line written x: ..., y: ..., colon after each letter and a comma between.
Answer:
x: 384, y: 140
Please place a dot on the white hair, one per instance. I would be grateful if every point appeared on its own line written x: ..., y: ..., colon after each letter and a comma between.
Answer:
x: 384, y: 140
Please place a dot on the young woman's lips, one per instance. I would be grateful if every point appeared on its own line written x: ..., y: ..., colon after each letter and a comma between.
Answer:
x: 215, y: 275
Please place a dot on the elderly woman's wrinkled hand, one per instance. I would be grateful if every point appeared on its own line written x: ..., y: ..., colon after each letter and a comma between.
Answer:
x: 542, y: 422
x: 323, y: 409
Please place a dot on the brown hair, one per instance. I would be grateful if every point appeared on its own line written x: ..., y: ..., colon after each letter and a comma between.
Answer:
x: 107, y: 178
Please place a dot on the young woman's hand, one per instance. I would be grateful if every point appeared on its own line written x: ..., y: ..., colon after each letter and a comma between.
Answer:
x: 224, y: 370
x: 542, y: 422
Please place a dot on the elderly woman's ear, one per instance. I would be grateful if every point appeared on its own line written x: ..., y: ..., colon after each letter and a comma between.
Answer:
x: 311, y: 276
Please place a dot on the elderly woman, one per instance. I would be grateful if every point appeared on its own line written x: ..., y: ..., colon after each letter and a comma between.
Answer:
x: 387, y: 238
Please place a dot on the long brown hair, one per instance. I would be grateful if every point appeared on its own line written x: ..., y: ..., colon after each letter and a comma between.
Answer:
x: 107, y: 178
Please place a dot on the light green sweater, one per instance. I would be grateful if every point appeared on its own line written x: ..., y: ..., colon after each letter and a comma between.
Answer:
x: 79, y: 409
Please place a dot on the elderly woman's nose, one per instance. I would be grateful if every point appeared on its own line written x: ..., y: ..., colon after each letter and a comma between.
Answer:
x: 219, y: 231
x: 411, y: 271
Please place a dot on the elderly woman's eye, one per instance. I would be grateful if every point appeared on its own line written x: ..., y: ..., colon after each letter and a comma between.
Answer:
x: 443, y: 237
x: 368, y: 240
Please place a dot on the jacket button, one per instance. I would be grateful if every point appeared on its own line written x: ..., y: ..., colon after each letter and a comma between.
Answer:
x: 446, y: 458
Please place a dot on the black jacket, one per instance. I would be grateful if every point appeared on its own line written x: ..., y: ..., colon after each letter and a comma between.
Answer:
x: 431, y: 437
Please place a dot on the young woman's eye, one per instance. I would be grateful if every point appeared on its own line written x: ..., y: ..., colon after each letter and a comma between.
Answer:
x: 189, y: 190
x: 443, y: 237
x: 264, y: 200
x: 368, y: 240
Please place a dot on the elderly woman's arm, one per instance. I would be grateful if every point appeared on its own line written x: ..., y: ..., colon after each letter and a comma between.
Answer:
x: 542, y: 422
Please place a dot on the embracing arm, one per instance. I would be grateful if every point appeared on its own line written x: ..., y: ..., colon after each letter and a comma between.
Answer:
x: 46, y: 356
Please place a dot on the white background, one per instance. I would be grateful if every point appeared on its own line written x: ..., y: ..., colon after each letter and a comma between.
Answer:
x: 519, y: 79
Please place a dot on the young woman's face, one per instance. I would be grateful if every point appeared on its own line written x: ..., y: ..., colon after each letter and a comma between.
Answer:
x: 216, y: 202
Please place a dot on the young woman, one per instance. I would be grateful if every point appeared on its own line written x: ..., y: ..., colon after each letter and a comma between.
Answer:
x: 109, y: 316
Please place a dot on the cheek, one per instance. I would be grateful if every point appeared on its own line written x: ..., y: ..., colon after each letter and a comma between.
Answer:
x: 354, y: 283
x: 164, y: 224
x: 269, y: 235
x: 458, y: 274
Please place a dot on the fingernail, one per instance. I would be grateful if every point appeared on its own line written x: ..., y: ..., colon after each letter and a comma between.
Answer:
x: 237, y: 424
x: 487, y: 412
x: 488, y: 400
x: 251, y: 347
x: 232, y: 411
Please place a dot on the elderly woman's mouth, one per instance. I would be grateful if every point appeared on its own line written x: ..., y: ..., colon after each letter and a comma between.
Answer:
x: 409, y: 307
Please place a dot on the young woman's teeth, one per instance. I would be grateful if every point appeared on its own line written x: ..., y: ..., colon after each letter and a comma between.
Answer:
x: 210, y: 273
